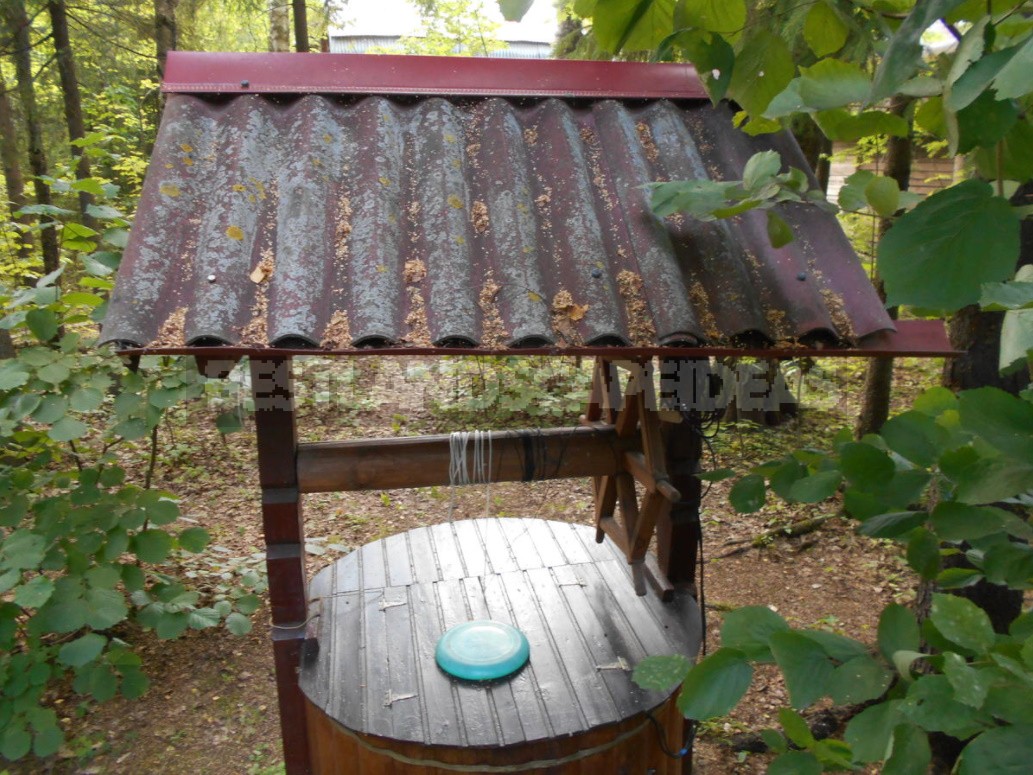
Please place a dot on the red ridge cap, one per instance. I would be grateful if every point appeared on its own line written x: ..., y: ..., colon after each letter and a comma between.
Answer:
x: 291, y: 73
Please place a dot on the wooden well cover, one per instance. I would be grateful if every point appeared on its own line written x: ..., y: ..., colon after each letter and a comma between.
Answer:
x: 384, y: 606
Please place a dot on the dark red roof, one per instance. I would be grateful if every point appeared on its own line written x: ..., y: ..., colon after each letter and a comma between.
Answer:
x: 338, y: 201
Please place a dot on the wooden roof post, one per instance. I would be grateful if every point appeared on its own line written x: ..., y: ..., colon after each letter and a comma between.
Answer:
x: 284, y: 544
x: 682, y: 382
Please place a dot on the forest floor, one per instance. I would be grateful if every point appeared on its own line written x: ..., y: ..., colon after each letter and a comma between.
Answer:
x: 212, y: 703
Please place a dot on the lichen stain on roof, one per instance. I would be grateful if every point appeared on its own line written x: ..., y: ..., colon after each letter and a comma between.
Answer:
x: 505, y: 204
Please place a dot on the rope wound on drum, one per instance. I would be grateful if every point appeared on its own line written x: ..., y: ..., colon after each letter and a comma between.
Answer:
x: 469, y: 466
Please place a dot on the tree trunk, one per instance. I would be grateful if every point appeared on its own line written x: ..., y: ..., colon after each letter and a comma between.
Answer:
x: 13, y: 179
x: 279, y: 26
x: 73, y: 104
x: 300, y: 25
x: 568, y: 36
x: 816, y: 148
x: 18, y: 28
x: 165, y: 31
x: 878, y: 381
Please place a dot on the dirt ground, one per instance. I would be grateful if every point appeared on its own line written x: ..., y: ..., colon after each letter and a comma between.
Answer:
x: 212, y: 703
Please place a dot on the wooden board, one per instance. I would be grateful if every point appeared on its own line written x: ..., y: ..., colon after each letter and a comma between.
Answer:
x: 384, y: 606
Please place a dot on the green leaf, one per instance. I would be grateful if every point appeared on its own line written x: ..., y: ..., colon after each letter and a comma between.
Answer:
x: 134, y: 683
x: 43, y: 324
x: 774, y: 740
x: 760, y: 168
x: 15, y: 742
x: 963, y: 235
x: 715, y: 685
x: 970, y: 685
x: 780, y: 233
x: 12, y: 375
x: 248, y: 604
x: 104, y: 212
x: 152, y: 545
x: 55, y: 373
x: 832, y: 83
x: 620, y: 25
x: 1013, y: 80
x: 870, y: 732
x: 1001, y: 751
x: 748, y: 494
x: 983, y: 123
x: 805, y: 666
x: 958, y: 522
x: 986, y: 481
x: 661, y: 673
x: 749, y: 630
x: 194, y: 539
x: 1016, y: 160
x: 958, y: 578
x: 86, y: 399
x: 100, y: 681
x: 171, y: 624
x: 923, y: 553
x: 763, y: 68
x: 910, y: 752
x: 161, y: 510
x: 713, y: 58
x: 916, y: 437
x: 836, y: 646
x: 903, y: 57
x: 229, y: 422
x: 514, y: 10
x: 962, y: 622
x: 998, y: 297
x: 67, y: 429
x: 726, y: 17
x: 796, y: 728
x: 975, y: 80
x: 824, y: 31
x: 898, y: 631
x: 850, y: 127
x: 239, y: 624
x: 51, y: 210
x: 48, y: 741
x: 163, y: 398
x: 864, y: 466
x: 104, y: 608
x: 1001, y: 419
x: 795, y: 763
x: 883, y: 194
x: 203, y: 618
x: 22, y: 550
x: 859, y: 680
x: 90, y: 186
x: 78, y: 652
x: 34, y: 593
x: 815, y: 488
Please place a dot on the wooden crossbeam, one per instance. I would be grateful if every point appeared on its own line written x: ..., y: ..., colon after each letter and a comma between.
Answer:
x: 423, y: 461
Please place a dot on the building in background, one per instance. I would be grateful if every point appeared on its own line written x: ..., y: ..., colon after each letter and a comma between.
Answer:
x: 379, y: 25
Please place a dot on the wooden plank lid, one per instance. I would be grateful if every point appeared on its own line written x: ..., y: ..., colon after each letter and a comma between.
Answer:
x: 384, y: 607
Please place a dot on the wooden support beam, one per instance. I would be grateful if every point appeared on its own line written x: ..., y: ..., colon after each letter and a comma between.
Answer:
x: 386, y: 464
x: 678, y: 532
x: 285, y: 541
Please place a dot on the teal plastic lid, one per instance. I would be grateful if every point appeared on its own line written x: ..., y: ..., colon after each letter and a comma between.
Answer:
x: 482, y: 650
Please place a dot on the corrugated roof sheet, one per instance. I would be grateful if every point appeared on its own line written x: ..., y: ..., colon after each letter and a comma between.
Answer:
x: 337, y: 222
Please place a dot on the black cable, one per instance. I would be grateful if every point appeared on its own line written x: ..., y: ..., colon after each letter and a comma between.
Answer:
x: 661, y: 735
